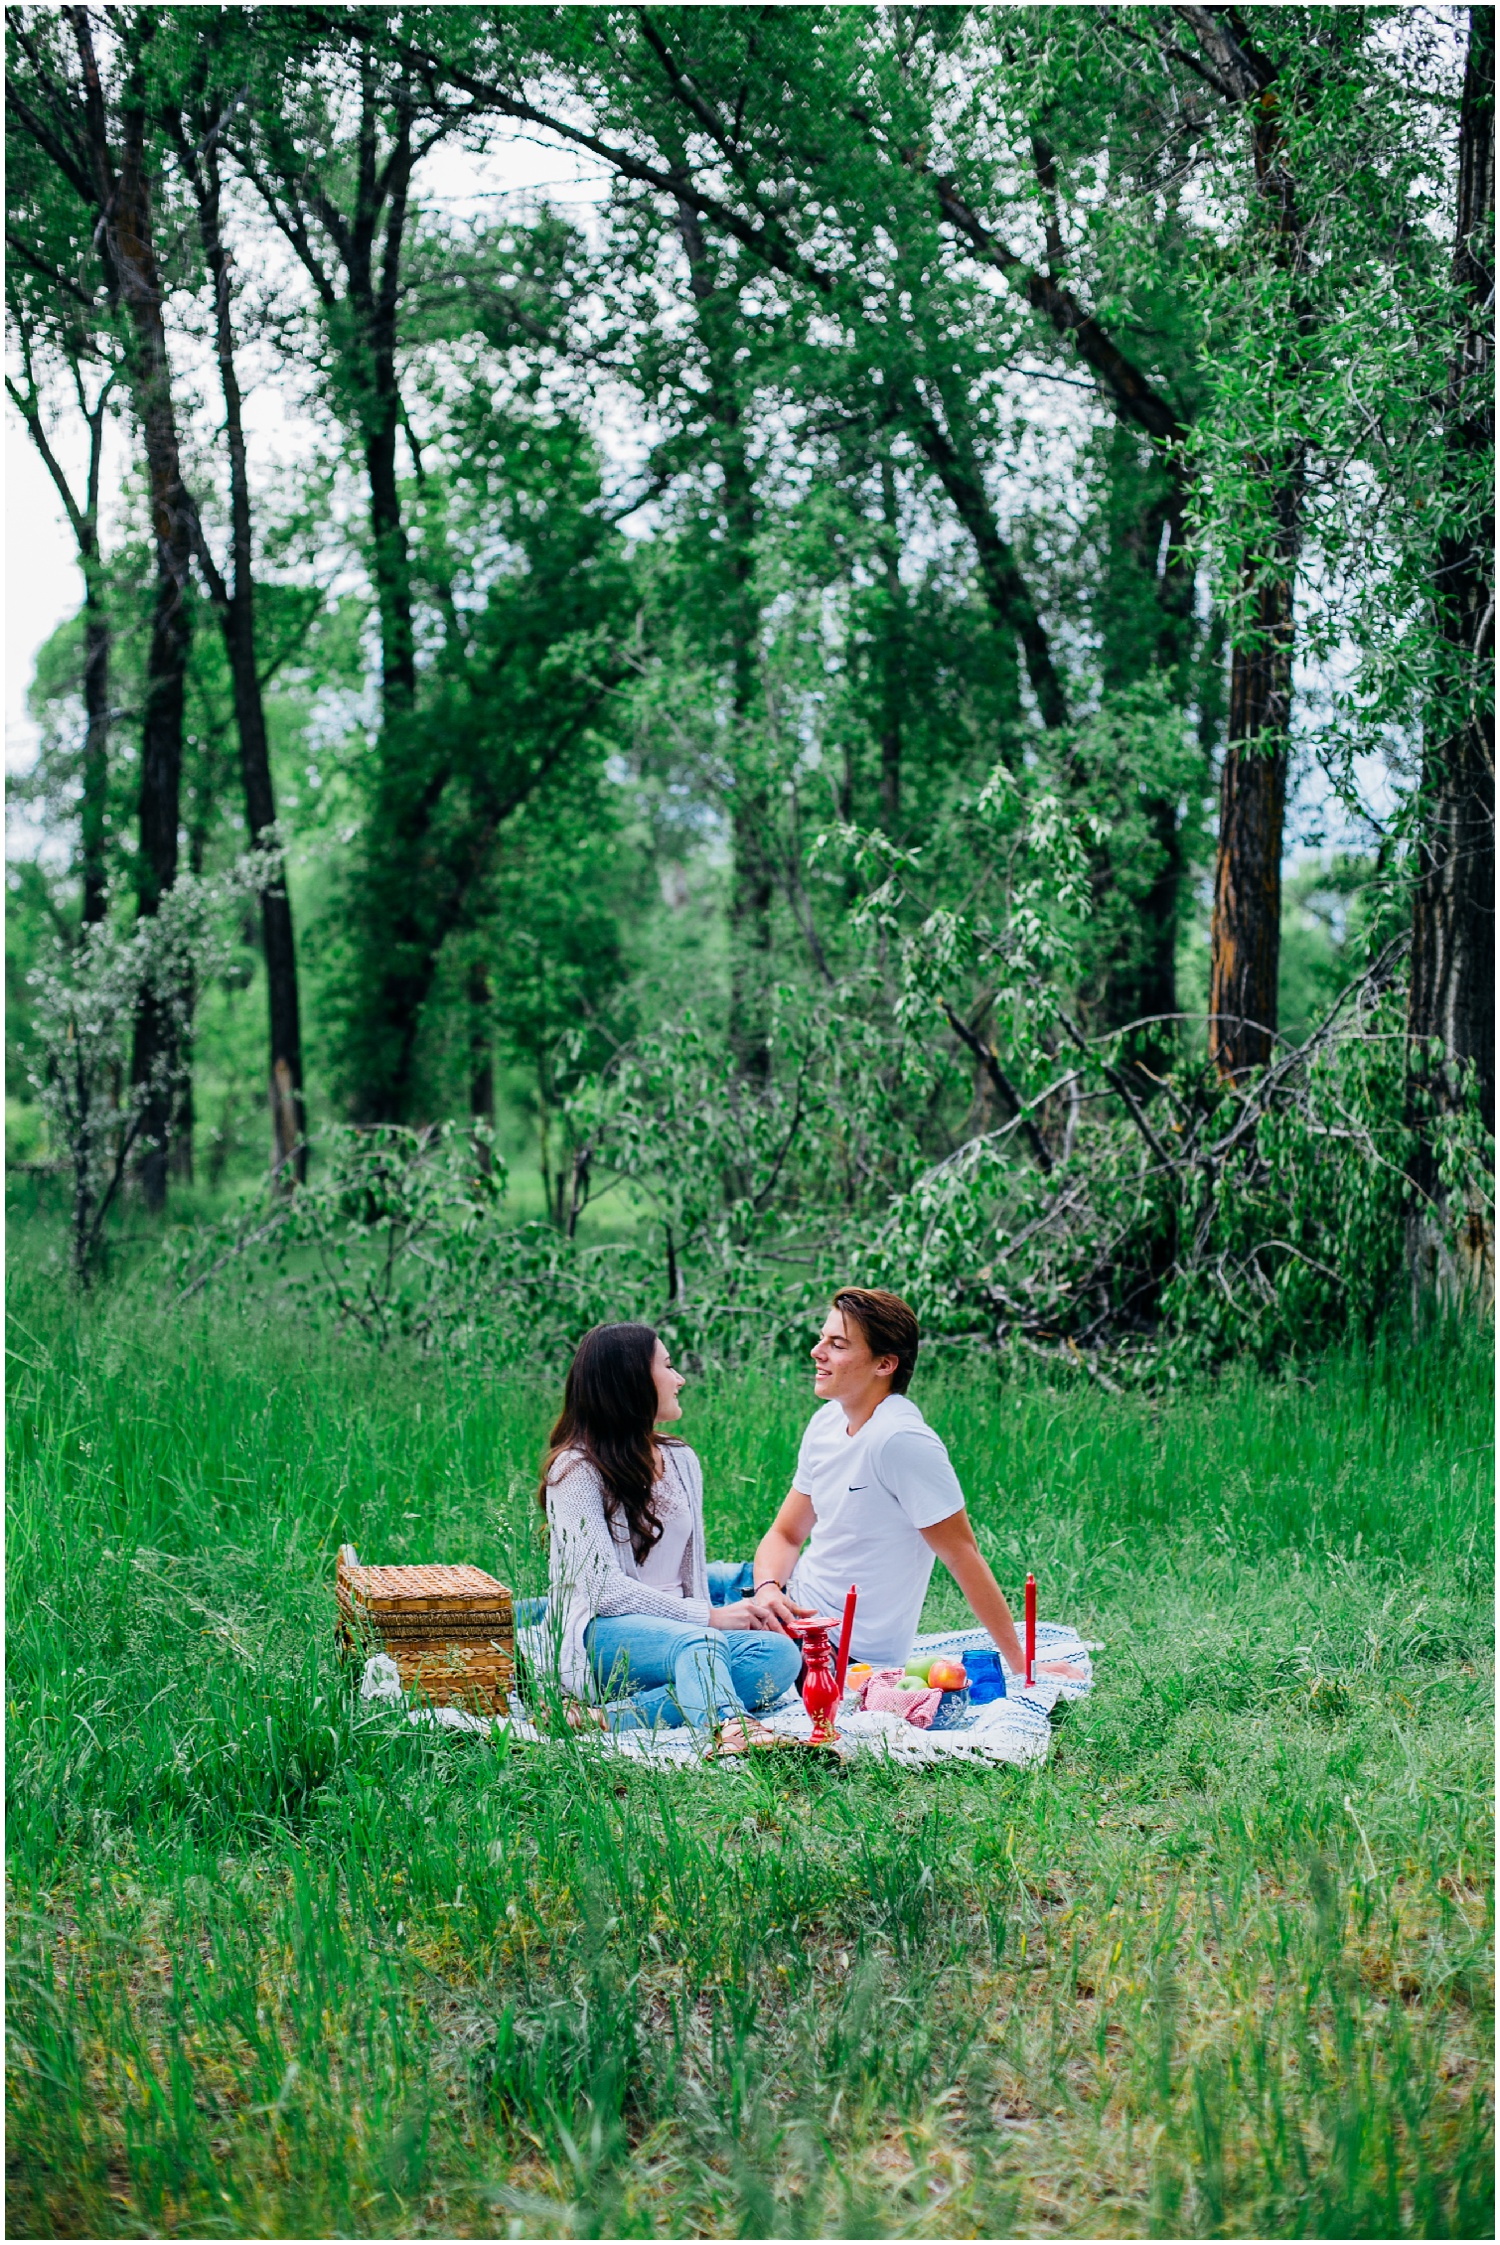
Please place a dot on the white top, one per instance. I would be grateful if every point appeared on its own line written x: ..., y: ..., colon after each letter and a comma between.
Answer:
x: 872, y: 1492
x: 592, y: 1564
x: 662, y: 1566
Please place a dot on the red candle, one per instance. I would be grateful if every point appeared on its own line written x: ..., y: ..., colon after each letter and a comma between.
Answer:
x: 845, y: 1634
x: 1031, y: 1629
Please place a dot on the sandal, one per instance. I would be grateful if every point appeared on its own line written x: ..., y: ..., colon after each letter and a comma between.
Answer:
x: 739, y: 1735
x: 582, y: 1715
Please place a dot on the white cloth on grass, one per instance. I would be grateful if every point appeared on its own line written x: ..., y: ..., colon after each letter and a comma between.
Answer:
x: 1016, y: 1730
x: 872, y: 1494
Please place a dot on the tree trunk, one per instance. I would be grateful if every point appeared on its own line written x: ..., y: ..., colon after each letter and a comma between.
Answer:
x: 125, y: 208
x: 481, y: 1058
x: 236, y: 610
x: 363, y: 314
x: 1147, y: 624
x: 893, y: 655
x: 95, y: 751
x: 407, y: 953
x: 1451, y: 1017
x: 392, y: 559
x: 1005, y: 589
x: 753, y: 884
x: 376, y: 302
x: 1165, y: 551
x: 96, y: 654
x: 84, y: 517
x: 1246, y: 931
x: 1247, y: 884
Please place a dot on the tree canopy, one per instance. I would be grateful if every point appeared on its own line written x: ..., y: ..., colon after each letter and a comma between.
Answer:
x: 777, y: 673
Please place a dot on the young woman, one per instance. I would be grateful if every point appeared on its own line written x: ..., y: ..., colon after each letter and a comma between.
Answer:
x: 631, y: 1595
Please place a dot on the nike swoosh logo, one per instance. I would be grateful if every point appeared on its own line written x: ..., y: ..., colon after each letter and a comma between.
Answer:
x: 856, y: 1486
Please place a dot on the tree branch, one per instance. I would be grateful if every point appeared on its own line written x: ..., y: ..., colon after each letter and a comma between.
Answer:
x: 1136, y: 1111
x: 990, y: 1062
x: 50, y: 273
x: 30, y: 413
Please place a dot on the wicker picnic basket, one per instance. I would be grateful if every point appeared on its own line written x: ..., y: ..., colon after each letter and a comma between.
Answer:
x: 450, y: 1630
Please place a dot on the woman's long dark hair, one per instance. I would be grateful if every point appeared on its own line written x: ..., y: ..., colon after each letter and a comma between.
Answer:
x: 609, y: 1413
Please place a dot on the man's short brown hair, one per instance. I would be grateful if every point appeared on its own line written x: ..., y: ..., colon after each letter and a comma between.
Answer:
x: 888, y: 1324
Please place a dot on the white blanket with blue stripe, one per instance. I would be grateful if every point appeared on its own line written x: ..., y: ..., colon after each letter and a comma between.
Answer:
x: 1016, y: 1729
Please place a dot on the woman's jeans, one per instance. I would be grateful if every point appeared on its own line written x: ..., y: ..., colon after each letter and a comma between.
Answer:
x: 673, y: 1672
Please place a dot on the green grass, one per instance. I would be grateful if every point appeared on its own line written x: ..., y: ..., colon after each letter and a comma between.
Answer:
x: 279, y: 1967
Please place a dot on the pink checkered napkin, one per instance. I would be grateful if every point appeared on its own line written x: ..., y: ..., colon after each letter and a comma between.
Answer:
x: 882, y: 1695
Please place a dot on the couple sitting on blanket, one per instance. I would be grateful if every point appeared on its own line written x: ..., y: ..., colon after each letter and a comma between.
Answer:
x: 645, y: 1623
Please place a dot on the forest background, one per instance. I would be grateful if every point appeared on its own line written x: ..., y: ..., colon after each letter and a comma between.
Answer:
x: 643, y: 756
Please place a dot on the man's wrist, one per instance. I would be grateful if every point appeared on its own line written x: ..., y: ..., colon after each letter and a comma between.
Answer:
x: 768, y: 1583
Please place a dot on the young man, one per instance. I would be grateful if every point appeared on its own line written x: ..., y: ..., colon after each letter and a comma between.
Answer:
x: 877, y: 1494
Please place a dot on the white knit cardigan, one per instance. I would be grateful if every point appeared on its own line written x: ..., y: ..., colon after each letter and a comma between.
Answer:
x: 593, y: 1568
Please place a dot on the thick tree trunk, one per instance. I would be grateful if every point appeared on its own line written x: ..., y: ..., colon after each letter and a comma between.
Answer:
x: 1451, y: 1017
x: 125, y: 207
x: 1247, y: 883
x: 1246, y: 932
x: 236, y: 610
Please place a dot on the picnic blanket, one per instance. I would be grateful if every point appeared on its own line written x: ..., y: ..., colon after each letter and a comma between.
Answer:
x: 1016, y: 1729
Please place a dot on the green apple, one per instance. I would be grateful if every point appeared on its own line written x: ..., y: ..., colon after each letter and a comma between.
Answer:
x: 912, y: 1683
x: 919, y: 1664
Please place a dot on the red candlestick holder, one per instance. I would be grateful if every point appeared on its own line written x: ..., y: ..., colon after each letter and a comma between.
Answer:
x: 820, y: 1686
x: 1031, y: 1629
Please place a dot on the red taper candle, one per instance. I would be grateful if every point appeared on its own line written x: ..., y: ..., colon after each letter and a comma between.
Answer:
x: 845, y: 1633
x: 1031, y: 1629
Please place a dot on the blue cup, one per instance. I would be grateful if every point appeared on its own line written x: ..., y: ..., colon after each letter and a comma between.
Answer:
x: 986, y: 1677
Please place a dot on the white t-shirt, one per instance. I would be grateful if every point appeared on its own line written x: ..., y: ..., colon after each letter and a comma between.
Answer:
x: 871, y: 1493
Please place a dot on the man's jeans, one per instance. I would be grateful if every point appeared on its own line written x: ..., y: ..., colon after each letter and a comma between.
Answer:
x: 674, y: 1672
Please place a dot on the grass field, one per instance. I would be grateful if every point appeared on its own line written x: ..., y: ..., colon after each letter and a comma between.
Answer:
x: 280, y: 1967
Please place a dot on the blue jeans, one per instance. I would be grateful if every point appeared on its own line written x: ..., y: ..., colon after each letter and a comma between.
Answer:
x: 675, y: 1672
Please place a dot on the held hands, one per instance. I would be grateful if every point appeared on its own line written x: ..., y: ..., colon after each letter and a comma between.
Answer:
x: 770, y: 1608
x: 749, y: 1613
x: 772, y: 1601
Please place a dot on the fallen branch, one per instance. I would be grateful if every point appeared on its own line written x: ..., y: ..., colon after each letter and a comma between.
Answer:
x: 1133, y: 1105
x: 990, y: 1062
x: 235, y: 1249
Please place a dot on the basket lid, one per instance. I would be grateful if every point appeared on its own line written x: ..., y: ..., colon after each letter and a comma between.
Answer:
x: 397, y: 1590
